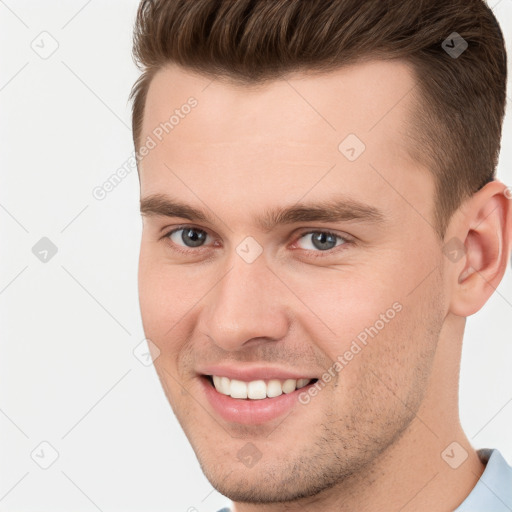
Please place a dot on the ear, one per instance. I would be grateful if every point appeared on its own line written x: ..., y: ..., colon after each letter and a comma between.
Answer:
x: 478, y: 248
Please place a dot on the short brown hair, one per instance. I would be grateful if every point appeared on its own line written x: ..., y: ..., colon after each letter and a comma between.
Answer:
x: 455, y: 129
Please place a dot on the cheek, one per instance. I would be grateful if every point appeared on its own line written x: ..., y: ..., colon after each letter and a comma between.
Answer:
x: 371, y: 325
x: 337, y: 306
x: 158, y: 298
x: 165, y: 304
x: 153, y: 298
x: 400, y: 358
x: 169, y: 298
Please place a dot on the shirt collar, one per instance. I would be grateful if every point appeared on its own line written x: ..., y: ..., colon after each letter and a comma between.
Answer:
x: 493, y: 491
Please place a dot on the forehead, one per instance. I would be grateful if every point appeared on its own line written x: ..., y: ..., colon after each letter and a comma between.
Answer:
x: 298, y: 134
x: 361, y: 97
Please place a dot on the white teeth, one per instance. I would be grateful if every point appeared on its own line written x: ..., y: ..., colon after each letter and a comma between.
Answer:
x: 224, y: 385
x: 289, y: 385
x: 274, y: 388
x: 216, y: 382
x: 302, y: 382
x: 257, y: 389
x: 238, y: 389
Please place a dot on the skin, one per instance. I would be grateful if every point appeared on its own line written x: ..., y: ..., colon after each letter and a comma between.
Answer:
x: 372, y: 438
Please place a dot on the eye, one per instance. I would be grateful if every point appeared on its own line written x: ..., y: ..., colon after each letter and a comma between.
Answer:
x: 186, y: 236
x: 321, y: 241
x: 189, y: 239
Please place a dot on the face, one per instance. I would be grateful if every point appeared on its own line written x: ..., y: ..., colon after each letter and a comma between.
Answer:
x: 288, y: 237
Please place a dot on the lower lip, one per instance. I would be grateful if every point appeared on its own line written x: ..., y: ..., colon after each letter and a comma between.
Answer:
x: 250, y: 412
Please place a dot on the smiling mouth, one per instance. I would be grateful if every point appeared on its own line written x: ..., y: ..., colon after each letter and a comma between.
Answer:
x: 256, y: 389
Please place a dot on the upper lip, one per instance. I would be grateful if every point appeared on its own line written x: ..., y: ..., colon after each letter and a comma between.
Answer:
x: 249, y: 373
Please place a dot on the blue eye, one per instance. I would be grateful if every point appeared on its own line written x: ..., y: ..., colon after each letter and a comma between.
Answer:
x: 189, y: 237
x: 191, y: 240
x: 321, y: 240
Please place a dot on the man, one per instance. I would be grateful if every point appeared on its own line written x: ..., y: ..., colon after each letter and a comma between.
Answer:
x: 321, y: 214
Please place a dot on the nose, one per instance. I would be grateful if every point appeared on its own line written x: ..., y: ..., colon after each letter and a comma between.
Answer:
x: 248, y: 305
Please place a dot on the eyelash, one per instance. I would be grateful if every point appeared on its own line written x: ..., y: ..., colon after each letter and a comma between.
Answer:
x: 315, y: 254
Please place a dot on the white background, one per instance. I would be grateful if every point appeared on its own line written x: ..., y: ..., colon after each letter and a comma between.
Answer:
x: 69, y: 326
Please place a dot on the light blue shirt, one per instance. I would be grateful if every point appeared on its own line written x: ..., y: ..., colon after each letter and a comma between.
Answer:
x: 492, y: 492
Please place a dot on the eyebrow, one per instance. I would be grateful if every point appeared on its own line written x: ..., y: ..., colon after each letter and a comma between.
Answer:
x: 337, y: 209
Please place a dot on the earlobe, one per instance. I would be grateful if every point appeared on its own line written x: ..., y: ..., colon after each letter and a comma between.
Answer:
x: 485, y: 235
